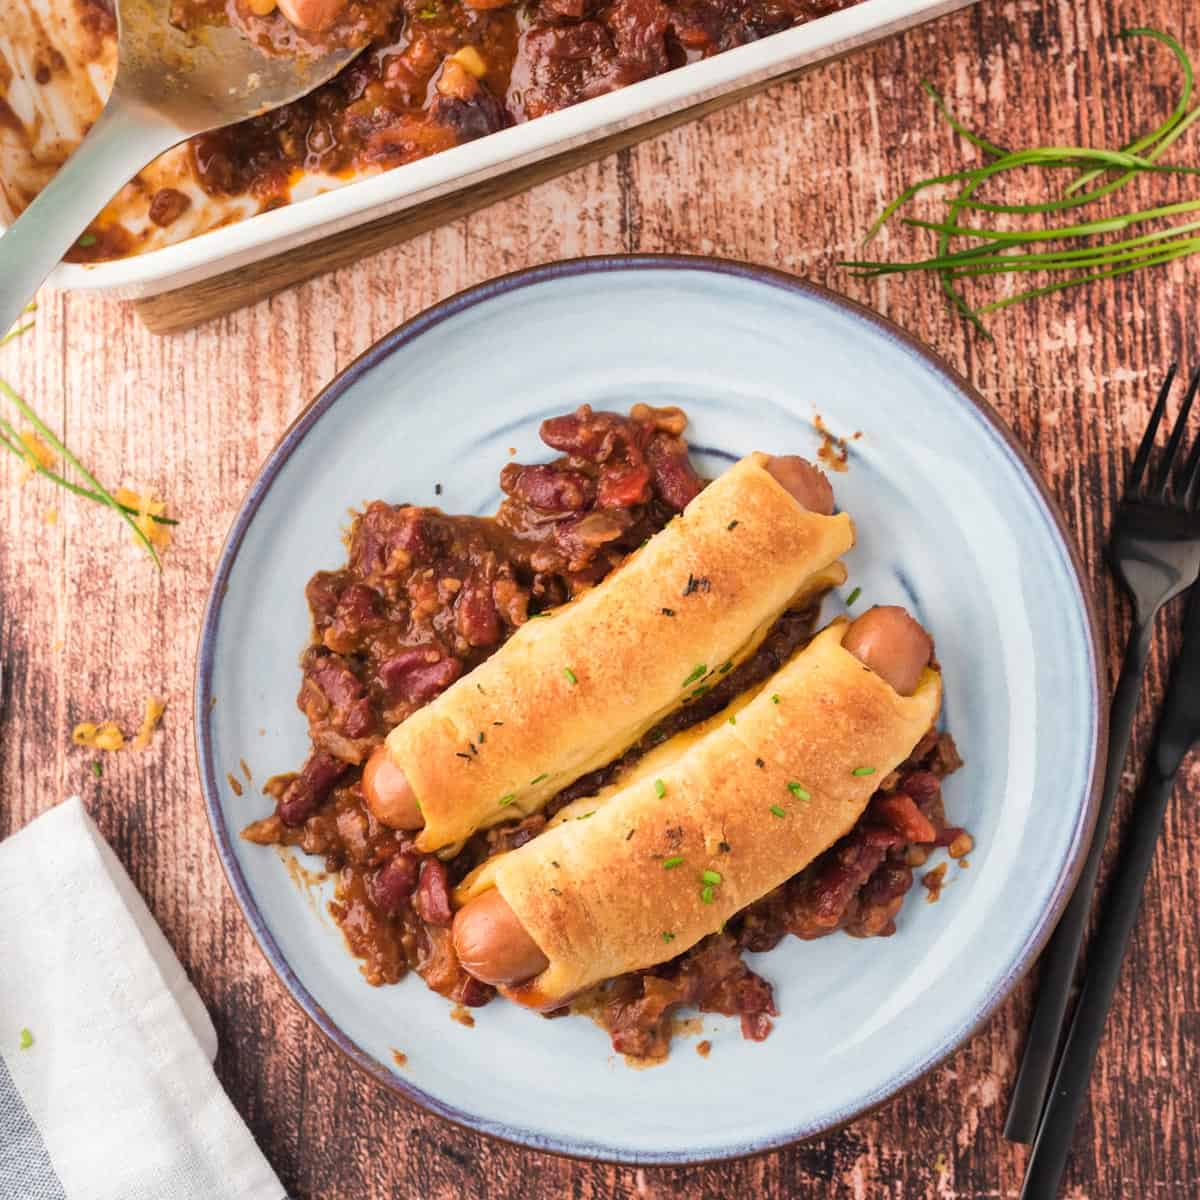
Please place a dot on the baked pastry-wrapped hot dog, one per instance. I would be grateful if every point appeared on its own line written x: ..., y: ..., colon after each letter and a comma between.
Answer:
x: 571, y: 691
x: 715, y: 821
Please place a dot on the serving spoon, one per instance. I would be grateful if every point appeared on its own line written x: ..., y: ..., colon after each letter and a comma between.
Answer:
x: 170, y: 85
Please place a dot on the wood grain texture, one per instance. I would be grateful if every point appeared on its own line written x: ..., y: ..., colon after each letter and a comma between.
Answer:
x: 790, y: 178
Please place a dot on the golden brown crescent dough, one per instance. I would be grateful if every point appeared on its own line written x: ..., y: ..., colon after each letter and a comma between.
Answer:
x: 571, y: 691
x: 621, y: 885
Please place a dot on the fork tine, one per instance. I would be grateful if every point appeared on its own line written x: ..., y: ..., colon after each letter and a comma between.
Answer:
x: 1163, y: 474
x: 1147, y: 443
x: 1191, y: 468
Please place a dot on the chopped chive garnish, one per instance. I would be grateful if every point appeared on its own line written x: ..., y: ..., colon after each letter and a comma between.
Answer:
x: 505, y: 801
x: 706, y: 893
x: 698, y: 672
x: 88, y: 239
x: 538, y: 779
x: 670, y: 863
x: 779, y: 812
x: 668, y: 937
x: 97, y: 769
x: 584, y: 816
x: 704, y: 687
x: 854, y: 595
x: 541, y: 614
x: 26, y: 1039
x: 775, y: 698
x: 863, y: 771
x: 733, y: 720
x: 713, y: 877
x: 418, y: 804
x: 798, y: 791
x: 660, y: 788
x: 726, y: 667
x: 482, y: 737
x: 571, y: 676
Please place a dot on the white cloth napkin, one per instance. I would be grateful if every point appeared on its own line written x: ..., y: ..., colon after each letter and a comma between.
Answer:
x: 115, y: 1099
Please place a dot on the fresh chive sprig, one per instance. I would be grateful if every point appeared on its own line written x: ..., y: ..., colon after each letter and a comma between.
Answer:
x: 1077, y: 256
x: 11, y: 441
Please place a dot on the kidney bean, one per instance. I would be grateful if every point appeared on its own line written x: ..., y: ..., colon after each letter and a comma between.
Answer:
x: 331, y: 690
x: 548, y: 489
x: 167, y: 205
x: 883, y: 836
x: 297, y: 804
x: 388, y: 539
x: 433, y: 894
x: 321, y: 772
x: 419, y: 674
x: 355, y: 615
x: 675, y: 479
x: 583, y: 433
x: 821, y: 900
x: 923, y: 787
x: 310, y: 789
x: 926, y: 790
x: 889, y: 883
x: 475, y: 614
x: 395, y: 882
x: 337, y: 685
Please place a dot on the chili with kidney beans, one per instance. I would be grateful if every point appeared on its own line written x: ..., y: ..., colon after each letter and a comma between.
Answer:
x: 422, y: 599
x: 437, y: 74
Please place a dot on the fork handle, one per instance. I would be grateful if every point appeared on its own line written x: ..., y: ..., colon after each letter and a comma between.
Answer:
x: 1062, y: 952
x: 121, y: 142
x: 1049, y: 1158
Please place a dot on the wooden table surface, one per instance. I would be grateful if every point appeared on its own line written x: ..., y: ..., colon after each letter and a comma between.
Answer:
x: 790, y: 178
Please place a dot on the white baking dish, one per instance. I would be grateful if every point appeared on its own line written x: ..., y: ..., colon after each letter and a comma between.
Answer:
x: 369, y: 198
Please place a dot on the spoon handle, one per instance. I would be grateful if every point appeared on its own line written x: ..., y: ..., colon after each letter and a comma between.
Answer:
x: 121, y: 142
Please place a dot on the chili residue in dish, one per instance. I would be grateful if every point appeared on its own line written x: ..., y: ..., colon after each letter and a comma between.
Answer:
x: 434, y: 74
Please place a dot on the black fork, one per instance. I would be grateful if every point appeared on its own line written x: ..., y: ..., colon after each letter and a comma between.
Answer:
x: 1154, y: 548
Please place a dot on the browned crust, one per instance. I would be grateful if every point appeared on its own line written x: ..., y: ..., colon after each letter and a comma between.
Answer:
x: 595, y: 892
x: 572, y: 691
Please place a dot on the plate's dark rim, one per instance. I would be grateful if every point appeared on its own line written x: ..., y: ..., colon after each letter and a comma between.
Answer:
x: 396, y: 340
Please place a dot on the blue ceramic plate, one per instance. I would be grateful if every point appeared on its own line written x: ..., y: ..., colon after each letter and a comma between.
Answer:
x: 952, y: 521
